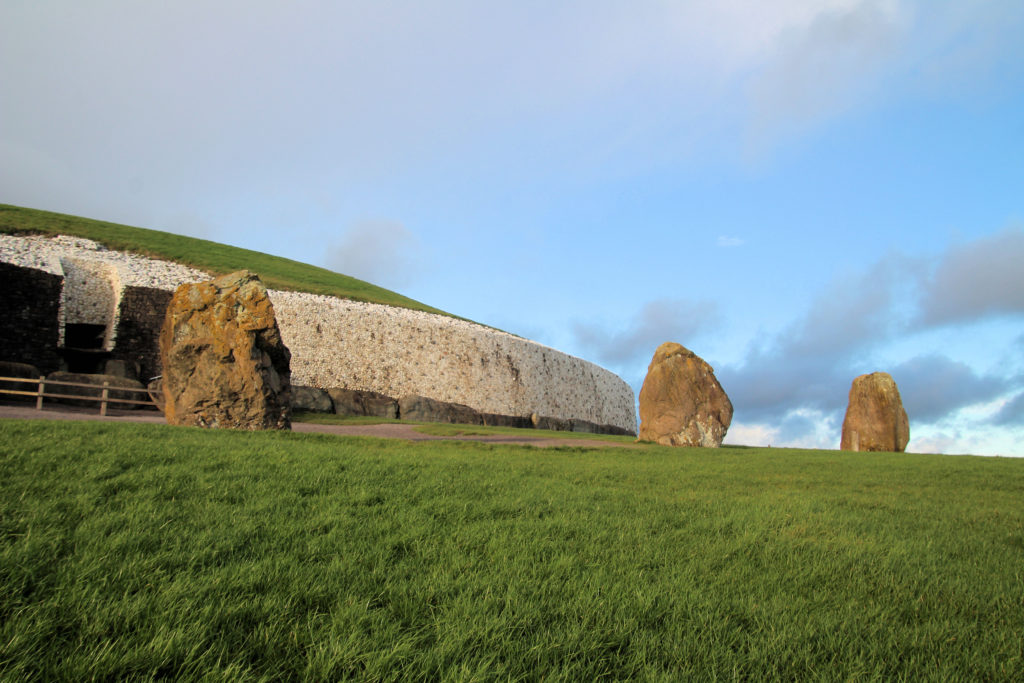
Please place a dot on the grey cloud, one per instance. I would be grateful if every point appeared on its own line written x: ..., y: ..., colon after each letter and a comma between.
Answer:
x: 855, y: 310
x: 977, y: 279
x: 657, y: 322
x: 767, y: 387
x: 811, y: 363
x: 934, y: 386
x: 385, y: 253
x: 1012, y: 413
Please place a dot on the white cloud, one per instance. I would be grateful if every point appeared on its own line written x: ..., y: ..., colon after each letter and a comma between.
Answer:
x: 939, y: 443
x: 960, y: 434
x: 728, y: 242
x: 799, y: 429
x: 751, y: 434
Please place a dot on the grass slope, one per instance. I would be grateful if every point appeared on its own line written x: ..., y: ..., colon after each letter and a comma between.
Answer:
x: 143, y: 551
x: 213, y: 257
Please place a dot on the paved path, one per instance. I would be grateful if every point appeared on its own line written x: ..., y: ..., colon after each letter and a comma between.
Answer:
x: 387, y: 431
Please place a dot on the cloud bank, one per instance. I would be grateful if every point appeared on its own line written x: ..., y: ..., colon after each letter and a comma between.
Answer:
x: 976, y: 280
x: 792, y: 387
x: 810, y: 365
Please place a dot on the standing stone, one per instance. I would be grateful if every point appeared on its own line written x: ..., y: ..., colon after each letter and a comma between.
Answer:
x: 875, y: 419
x: 224, y: 362
x: 681, y: 401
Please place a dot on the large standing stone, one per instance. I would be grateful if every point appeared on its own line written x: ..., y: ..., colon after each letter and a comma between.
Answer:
x: 681, y: 402
x: 875, y: 419
x: 224, y: 362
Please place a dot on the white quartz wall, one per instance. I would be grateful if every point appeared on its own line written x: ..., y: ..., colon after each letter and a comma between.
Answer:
x: 394, y: 351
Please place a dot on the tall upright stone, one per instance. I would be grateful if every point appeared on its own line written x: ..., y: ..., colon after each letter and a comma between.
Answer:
x: 875, y: 419
x: 681, y: 401
x: 224, y: 363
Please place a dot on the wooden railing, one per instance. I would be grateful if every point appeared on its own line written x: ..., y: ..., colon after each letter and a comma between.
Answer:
x: 104, y: 398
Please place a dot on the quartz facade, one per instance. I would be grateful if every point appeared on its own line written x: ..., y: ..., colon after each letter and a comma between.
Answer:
x: 336, y: 342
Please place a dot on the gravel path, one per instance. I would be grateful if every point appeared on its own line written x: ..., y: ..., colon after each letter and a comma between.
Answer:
x: 386, y: 431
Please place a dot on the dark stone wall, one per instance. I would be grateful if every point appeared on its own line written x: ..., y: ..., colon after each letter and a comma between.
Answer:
x: 140, y: 318
x: 29, y: 306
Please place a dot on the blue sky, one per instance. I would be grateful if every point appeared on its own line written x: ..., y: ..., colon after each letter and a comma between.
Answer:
x: 800, y: 192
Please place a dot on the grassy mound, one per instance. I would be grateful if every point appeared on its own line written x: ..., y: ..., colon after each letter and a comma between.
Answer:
x: 213, y: 257
x: 145, y: 551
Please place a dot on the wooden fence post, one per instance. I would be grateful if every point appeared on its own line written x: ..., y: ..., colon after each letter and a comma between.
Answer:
x: 103, y: 400
x: 39, y: 395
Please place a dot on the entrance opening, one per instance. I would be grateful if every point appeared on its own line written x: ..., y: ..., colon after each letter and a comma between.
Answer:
x: 84, y: 335
x: 89, y: 303
x: 83, y: 348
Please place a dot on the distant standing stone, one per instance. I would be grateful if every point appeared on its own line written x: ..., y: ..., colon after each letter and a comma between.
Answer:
x: 223, y: 359
x: 875, y: 419
x: 681, y: 401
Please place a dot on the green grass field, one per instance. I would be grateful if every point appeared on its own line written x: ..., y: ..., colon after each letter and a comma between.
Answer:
x: 444, y: 429
x: 212, y: 257
x: 144, y: 551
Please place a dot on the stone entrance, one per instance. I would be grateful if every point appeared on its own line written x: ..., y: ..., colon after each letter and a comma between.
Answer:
x: 88, y: 313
